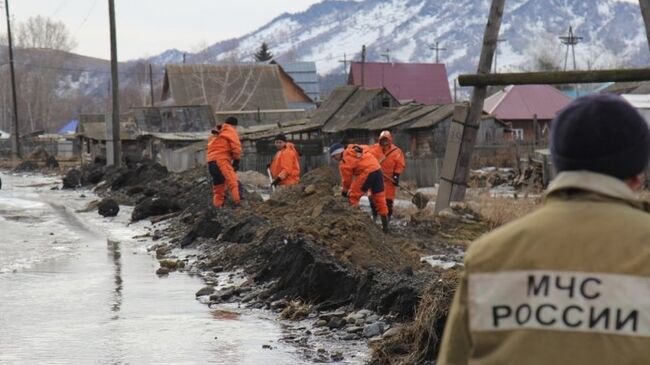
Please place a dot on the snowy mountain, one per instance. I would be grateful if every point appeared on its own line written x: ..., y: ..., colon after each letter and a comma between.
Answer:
x: 612, y: 30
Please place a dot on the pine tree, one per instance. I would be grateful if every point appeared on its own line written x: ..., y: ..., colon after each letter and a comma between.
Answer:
x: 263, y: 54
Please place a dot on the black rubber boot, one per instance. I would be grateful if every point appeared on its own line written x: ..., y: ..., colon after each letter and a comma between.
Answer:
x: 389, y: 204
x: 384, y: 223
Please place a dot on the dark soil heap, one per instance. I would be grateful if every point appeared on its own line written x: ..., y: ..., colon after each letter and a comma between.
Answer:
x: 304, y: 242
x: 313, y: 243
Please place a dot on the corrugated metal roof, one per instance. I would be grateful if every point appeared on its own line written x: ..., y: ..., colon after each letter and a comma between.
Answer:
x: 305, y: 75
x: 523, y: 102
x: 291, y: 67
x: 425, y: 83
x: 304, y: 78
x: 226, y: 87
x: 311, y: 88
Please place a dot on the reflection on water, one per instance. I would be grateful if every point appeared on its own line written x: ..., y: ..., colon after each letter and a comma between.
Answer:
x: 99, y: 300
x: 114, y: 252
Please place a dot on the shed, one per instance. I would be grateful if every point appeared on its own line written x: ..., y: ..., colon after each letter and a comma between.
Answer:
x: 91, y: 131
x: 424, y: 83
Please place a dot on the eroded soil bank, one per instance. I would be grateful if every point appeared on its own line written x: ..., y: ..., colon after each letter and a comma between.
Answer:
x: 306, y: 254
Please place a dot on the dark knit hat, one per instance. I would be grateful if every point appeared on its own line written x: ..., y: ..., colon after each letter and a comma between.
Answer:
x: 600, y: 133
x: 280, y: 137
x: 232, y: 121
x: 336, y: 148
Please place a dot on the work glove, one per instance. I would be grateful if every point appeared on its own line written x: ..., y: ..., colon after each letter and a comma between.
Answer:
x: 396, y: 179
x: 344, y: 194
x: 235, y: 165
x: 275, y: 182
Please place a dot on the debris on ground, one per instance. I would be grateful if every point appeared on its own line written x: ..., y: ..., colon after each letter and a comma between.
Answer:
x: 306, y: 253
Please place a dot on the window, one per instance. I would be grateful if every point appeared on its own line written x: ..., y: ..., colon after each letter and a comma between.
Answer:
x: 518, y: 134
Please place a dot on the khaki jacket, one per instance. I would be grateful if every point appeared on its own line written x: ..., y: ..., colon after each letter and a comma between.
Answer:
x: 566, y: 284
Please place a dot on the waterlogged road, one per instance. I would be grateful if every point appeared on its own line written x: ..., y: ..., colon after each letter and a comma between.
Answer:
x: 76, y: 288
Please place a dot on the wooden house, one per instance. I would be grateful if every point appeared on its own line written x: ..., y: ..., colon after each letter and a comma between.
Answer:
x: 528, y: 109
x: 232, y: 87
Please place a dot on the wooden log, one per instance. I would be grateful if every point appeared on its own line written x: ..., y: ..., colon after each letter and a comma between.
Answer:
x: 555, y: 77
x: 454, y: 189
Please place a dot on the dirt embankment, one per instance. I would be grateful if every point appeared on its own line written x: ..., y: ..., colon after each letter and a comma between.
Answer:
x: 304, y: 242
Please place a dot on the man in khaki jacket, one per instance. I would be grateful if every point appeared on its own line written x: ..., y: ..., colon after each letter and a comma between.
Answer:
x: 569, y: 283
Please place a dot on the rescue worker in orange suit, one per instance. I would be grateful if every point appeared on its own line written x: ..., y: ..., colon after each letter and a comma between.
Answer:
x: 361, y: 172
x: 285, y: 168
x: 224, y: 153
x: 392, y: 164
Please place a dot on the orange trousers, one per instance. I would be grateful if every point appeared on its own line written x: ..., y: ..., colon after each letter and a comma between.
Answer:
x: 374, y: 182
x: 223, y: 175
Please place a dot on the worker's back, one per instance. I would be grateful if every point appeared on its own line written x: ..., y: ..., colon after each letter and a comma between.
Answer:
x: 569, y: 283
x: 527, y: 304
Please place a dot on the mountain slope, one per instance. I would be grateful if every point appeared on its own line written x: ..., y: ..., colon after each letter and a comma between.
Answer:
x: 613, y: 34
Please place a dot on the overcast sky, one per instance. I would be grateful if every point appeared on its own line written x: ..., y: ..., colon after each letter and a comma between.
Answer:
x: 148, y: 27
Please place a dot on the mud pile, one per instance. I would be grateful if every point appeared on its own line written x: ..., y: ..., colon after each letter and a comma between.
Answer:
x: 314, y: 211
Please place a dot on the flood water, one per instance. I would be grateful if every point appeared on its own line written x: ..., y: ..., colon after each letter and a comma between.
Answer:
x: 77, y: 288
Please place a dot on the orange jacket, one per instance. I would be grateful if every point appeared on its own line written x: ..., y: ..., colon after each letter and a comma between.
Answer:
x: 391, y: 158
x: 225, y: 145
x: 357, y: 161
x: 286, y: 165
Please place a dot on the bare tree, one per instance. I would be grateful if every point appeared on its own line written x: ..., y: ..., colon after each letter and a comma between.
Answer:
x: 41, y: 52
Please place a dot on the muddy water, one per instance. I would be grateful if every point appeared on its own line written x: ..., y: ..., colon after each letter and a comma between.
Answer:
x: 76, y: 288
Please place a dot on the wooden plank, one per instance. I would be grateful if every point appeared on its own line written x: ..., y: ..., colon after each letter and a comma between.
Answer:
x: 555, y: 77
x: 452, y: 153
x: 459, y: 162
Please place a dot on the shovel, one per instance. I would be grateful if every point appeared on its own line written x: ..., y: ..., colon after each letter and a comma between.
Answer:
x: 268, y: 171
x: 419, y: 199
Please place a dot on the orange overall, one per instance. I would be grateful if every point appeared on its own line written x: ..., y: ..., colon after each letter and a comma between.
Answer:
x: 223, y: 148
x: 286, y: 165
x: 360, y: 172
x: 392, y: 163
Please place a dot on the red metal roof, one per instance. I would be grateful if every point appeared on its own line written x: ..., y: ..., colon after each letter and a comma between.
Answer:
x: 522, y: 102
x: 425, y: 83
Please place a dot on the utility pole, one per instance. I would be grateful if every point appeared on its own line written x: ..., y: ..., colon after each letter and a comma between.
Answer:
x: 151, y: 82
x: 345, y: 65
x: 570, y: 41
x: 436, y: 48
x: 363, y: 64
x: 15, y: 146
x: 386, y: 55
x: 184, y: 54
x: 466, y: 119
x: 116, y: 90
x: 496, y: 52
